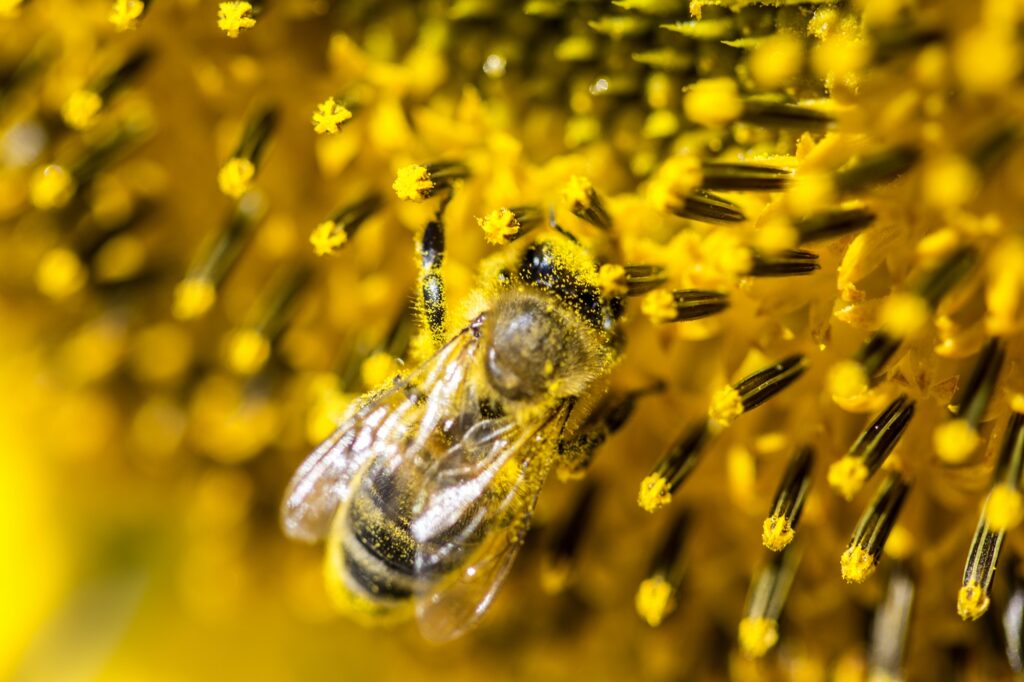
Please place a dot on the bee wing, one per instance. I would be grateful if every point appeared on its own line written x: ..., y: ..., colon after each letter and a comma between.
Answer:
x: 393, y: 424
x: 471, y: 520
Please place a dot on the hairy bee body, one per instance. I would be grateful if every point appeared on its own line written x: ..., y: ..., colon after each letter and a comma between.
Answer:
x: 426, y: 492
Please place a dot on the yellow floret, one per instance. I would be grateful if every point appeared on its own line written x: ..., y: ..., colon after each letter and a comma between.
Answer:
x: 330, y: 116
x: 655, y: 599
x: 413, y: 183
x: 235, y: 177
x: 809, y: 193
x: 847, y: 380
x: 60, y: 274
x: 904, y: 314
x: 847, y: 476
x: 654, y: 493
x: 193, y: 297
x: 777, y: 533
x: 659, y: 306
x: 758, y: 635
x: 247, y: 351
x: 776, y: 236
x: 726, y: 406
x: 326, y: 238
x: 900, y: 544
x: 499, y: 226
x: 777, y: 60
x: 949, y: 182
x: 578, y: 193
x: 713, y: 102
x: 80, y: 109
x: 955, y: 440
x: 987, y: 59
x: 51, y: 187
x: 1004, y: 508
x: 972, y: 601
x: 124, y: 14
x: 857, y: 565
x: 235, y: 17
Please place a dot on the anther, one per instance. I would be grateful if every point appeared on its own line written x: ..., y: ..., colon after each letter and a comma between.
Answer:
x: 1004, y: 507
x: 683, y: 305
x: 333, y: 234
x: 629, y: 280
x: 236, y: 175
x: 558, y: 561
x: 330, y: 116
x: 862, y: 554
x: 779, y: 528
x: 585, y: 203
x: 875, y: 169
x: 249, y: 346
x: 731, y: 401
x: 656, y: 597
x: 769, y: 588
x: 235, y: 17
x: 787, y: 263
x: 744, y: 177
x: 673, y: 468
x: 832, y: 223
x: 849, y: 474
x: 974, y: 597
x: 957, y: 438
x: 418, y: 183
x: 505, y: 225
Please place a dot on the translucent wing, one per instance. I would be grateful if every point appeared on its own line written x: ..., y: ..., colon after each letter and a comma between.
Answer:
x: 393, y: 424
x: 471, y: 518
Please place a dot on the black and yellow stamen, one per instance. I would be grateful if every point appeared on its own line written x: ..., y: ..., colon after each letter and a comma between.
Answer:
x: 238, y: 172
x: 875, y: 169
x: 420, y: 182
x: 83, y: 106
x: 657, y: 595
x: 629, y: 280
x: 505, y: 225
x: 706, y: 207
x: 891, y: 625
x: 683, y: 305
x: 333, y: 234
x: 585, y: 203
x: 248, y: 347
x: 784, y: 116
x: 848, y: 475
x: 196, y: 293
x: 957, y: 438
x: 1013, y: 621
x: 743, y: 177
x: 731, y: 401
x: 832, y: 223
x: 1004, y: 507
x: 673, y: 468
x: 861, y: 557
x: 779, y: 528
x: 787, y: 263
x: 558, y: 561
x: 974, y: 597
x: 769, y: 589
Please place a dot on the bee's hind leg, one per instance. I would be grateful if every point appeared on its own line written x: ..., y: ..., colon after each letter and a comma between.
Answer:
x: 430, y: 294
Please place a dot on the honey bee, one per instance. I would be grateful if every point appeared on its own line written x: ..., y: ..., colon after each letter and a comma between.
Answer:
x: 425, y: 493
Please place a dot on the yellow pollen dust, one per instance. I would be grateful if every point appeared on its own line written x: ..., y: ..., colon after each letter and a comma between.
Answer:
x: 499, y: 226
x: 193, y: 297
x: 235, y: 177
x: 611, y: 279
x: 413, y: 183
x: 758, y: 635
x: 1004, y: 508
x: 51, y: 187
x: 972, y: 601
x: 655, y: 599
x: 857, y: 565
x: 713, y: 102
x: 578, y: 193
x: 235, y: 17
x: 904, y: 314
x: 726, y: 406
x: 847, y: 476
x: 377, y: 369
x: 326, y: 238
x: 330, y: 116
x: 60, y: 274
x: 847, y: 380
x: 80, y: 109
x: 777, y: 533
x: 247, y: 351
x: 654, y: 493
x: 955, y: 440
x: 659, y: 306
x: 124, y: 14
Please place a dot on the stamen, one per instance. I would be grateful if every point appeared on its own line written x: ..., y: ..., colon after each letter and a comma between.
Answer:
x: 834, y: 223
x: 744, y: 177
x: 236, y: 175
x: 683, y: 305
x: 505, y: 225
x: 418, y: 183
x: 235, y: 17
x: 786, y: 263
x: 332, y: 235
x: 330, y: 116
x: 1013, y: 623
x: 779, y: 528
x: 557, y: 563
x: 862, y: 554
x: 753, y: 390
x: 759, y: 629
x: 656, y: 596
x: 850, y: 379
x: 125, y: 14
x: 956, y: 439
x: 848, y: 475
x: 585, y: 203
x: 973, y: 599
x: 875, y: 169
x: 629, y: 280
x: 784, y: 116
x: 891, y: 625
x: 673, y: 468
x: 1004, y: 508
x: 248, y: 347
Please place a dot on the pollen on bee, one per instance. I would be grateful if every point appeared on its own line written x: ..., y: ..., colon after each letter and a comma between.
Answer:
x: 235, y: 17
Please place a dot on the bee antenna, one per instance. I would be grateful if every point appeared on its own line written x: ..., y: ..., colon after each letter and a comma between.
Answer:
x: 558, y: 228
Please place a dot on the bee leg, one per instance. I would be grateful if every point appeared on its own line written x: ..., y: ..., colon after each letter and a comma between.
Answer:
x: 577, y: 450
x: 431, y: 284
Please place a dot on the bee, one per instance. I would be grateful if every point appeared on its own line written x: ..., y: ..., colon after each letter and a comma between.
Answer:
x: 424, y: 494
